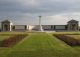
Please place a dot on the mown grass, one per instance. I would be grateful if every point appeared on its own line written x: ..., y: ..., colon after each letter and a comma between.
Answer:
x: 75, y: 36
x: 3, y: 37
x: 66, y: 33
x: 40, y: 45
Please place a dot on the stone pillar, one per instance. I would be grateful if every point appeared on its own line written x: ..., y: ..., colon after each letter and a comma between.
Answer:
x: 40, y: 26
x: 69, y: 27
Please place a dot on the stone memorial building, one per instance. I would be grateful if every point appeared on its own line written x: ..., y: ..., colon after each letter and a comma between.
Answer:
x: 71, y: 25
x: 6, y: 25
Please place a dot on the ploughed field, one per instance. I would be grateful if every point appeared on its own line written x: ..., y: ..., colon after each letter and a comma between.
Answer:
x: 39, y: 44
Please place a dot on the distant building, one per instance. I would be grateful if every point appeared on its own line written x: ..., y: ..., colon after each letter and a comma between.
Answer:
x: 71, y: 25
x: 6, y: 25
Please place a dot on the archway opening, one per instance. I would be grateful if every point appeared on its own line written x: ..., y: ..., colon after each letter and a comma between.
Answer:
x: 6, y: 27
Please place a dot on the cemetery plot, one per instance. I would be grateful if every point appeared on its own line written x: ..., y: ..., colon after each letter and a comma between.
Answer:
x: 75, y: 36
x: 68, y: 39
x: 3, y: 37
x: 12, y: 40
x: 40, y: 45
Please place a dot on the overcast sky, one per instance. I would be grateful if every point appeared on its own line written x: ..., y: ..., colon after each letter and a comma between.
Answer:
x: 54, y: 12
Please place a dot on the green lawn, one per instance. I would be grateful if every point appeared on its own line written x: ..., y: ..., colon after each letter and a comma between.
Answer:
x: 75, y: 36
x: 40, y: 45
x: 4, y: 37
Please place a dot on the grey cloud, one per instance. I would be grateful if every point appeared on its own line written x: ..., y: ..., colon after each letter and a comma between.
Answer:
x: 19, y: 9
x: 43, y: 6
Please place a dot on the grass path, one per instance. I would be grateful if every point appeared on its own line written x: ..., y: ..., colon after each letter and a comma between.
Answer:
x: 41, y: 45
x: 3, y: 37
